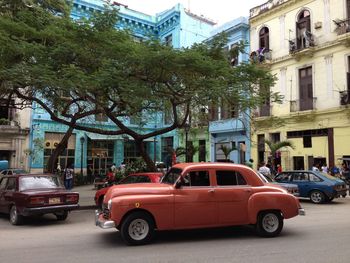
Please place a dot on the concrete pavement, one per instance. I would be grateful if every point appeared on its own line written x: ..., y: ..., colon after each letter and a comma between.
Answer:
x: 86, y: 196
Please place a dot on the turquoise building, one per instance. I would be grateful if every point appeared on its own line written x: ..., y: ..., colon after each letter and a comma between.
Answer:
x: 176, y: 27
x: 229, y: 126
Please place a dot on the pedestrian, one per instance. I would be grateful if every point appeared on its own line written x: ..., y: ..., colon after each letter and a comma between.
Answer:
x: 265, y: 170
x: 114, y: 168
x: 324, y: 168
x: 315, y: 168
x: 89, y: 174
x: 68, y: 177
x: 250, y: 163
x: 279, y: 168
x: 110, y: 176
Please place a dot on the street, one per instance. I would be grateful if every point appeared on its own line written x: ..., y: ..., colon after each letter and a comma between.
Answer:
x: 323, y: 235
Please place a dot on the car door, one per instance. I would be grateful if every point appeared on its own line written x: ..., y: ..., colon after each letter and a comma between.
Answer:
x: 301, y: 179
x: 195, y: 204
x: 9, y: 193
x: 3, y: 184
x: 231, y: 195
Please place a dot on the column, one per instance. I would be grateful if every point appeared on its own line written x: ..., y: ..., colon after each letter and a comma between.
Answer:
x: 283, y: 84
x: 329, y: 75
x: 327, y: 18
x: 282, y: 32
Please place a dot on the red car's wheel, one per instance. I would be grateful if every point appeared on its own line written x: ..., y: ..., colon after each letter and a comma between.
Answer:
x: 15, y: 218
x: 270, y: 223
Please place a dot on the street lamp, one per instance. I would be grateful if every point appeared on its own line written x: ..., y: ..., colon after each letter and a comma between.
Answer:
x: 187, y: 129
x: 82, y: 141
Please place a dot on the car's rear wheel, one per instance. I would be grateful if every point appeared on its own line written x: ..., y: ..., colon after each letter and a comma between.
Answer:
x: 317, y: 197
x: 270, y: 223
x: 61, y: 216
x: 15, y: 218
x: 137, y: 228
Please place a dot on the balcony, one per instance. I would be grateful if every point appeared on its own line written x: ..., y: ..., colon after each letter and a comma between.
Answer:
x: 303, y: 105
x: 302, y: 43
x: 263, y: 111
x: 261, y: 56
x: 343, y: 26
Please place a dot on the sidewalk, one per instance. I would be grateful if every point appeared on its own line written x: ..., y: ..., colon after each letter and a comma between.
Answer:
x: 86, y: 196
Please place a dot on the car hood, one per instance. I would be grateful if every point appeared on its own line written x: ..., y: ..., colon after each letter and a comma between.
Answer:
x: 138, y: 189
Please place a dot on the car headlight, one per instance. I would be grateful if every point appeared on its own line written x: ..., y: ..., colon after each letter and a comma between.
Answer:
x: 110, y: 204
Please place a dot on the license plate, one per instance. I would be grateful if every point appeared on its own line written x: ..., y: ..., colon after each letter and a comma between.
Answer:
x: 54, y: 200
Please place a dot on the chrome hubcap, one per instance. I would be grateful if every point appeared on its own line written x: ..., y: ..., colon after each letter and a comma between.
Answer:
x: 138, y: 229
x: 270, y: 222
x: 13, y: 214
x: 316, y: 197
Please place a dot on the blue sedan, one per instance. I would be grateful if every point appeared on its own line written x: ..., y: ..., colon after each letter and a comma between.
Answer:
x: 317, y: 186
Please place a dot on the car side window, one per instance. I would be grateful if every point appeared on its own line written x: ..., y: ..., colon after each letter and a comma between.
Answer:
x: 314, y: 178
x: 197, y: 178
x: 230, y: 178
x: 3, y: 183
x: 9, y: 172
x: 283, y: 177
x: 300, y: 177
x: 11, y: 185
x: 143, y: 179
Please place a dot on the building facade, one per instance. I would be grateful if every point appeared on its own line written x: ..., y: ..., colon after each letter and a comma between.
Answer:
x: 177, y: 27
x: 305, y: 44
x: 228, y: 126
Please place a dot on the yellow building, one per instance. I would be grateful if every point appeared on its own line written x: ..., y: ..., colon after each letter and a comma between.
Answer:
x: 305, y: 44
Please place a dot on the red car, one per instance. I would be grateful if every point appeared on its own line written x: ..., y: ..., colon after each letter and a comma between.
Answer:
x: 130, y: 179
x: 26, y: 195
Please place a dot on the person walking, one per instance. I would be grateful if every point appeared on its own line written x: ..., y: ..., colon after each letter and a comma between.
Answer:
x: 265, y: 170
x: 68, y: 177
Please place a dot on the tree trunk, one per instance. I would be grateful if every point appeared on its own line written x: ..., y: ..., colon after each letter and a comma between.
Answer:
x: 52, y: 163
x: 149, y: 162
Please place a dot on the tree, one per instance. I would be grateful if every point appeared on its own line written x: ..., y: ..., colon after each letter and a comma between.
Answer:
x: 76, y: 70
x: 275, y: 147
x: 226, y: 150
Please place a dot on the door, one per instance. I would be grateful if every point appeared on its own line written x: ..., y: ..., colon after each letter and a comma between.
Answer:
x: 302, y: 181
x: 231, y: 195
x: 305, y: 89
x: 194, y: 202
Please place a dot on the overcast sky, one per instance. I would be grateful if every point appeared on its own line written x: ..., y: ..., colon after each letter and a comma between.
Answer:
x: 220, y: 11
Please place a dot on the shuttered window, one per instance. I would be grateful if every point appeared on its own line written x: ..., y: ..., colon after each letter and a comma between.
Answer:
x: 305, y: 89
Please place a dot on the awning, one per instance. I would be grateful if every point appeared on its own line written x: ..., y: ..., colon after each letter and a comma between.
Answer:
x: 103, y: 137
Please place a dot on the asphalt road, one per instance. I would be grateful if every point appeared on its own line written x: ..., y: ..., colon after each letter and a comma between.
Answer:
x: 323, y: 235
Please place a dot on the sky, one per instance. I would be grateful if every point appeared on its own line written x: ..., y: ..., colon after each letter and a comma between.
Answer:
x: 220, y: 11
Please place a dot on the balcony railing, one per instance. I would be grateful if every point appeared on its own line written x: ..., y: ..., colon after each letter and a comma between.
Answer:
x: 265, y: 7
x: 345, y: 97
x: 298, y: 44
x: 343, y: 26
x: 7, y: 122
x: 261, y: 56
x: 302, y: 105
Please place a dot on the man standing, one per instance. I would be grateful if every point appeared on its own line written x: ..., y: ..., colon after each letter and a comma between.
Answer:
x: 265, y: 170
x: 68, y: 177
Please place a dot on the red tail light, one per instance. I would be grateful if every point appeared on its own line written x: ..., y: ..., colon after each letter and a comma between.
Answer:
x: 37, y: 200
x: 72, y: 198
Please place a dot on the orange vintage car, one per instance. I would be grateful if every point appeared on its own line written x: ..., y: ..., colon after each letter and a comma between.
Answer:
x: 197, y: 195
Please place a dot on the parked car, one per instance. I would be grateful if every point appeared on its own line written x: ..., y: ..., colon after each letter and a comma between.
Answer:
x: 197, y: 195
x: 291, y: 188
x: 130, y: 179
x: 12, y: 171
x: 317, y: 186
x: 26, y: 195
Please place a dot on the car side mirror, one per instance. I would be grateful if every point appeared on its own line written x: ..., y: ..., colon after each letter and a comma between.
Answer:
x: 178, y: 184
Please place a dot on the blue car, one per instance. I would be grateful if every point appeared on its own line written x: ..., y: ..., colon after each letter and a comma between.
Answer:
x: 317, y: 186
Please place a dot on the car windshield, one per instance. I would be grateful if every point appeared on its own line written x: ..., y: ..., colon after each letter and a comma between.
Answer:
x: 39, y: 182
x: 265, y: 178
x: 327, y: 175
x: 19, y: 171
x: 171, y: 176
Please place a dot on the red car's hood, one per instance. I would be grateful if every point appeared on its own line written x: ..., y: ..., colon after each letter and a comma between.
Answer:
x: 138, y: 189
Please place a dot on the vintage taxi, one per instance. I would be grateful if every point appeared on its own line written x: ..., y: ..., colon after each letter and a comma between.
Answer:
x: 197, y: 195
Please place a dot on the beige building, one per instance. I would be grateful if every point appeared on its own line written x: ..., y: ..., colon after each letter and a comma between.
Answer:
x: 14, y: 134
x: 305, y: 44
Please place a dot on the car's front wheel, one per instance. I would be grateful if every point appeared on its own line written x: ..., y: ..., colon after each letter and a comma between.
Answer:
x: 15, y: 218
x: 137, y: 228
x: 317, y: 197
x: 61, y: 216
x: 270, y: 223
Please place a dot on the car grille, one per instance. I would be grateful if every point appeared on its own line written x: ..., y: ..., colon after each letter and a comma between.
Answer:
x: 340, y: 187
x: 105, y: 211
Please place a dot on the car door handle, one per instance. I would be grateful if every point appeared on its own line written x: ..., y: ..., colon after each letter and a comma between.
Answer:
x: 211, y: 191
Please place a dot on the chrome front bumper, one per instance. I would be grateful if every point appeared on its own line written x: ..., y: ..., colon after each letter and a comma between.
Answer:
x: 302, y: 211
x: 102, y: 222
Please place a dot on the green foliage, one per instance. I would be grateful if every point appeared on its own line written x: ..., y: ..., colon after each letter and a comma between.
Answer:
x: 137, y: 165
x: 226, y: 150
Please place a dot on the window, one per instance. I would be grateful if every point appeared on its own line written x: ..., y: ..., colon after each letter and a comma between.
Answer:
x: 197, y: 178
x: 264, y: 38
x: 202, y: 151
x: 11, y: 185
x: 135, y: 179
x: 314, y: 178
x: 300, y: 177
x: 234, y: 55
x: 7, y: 111
x: 283, y: 177
x: 303, y: 29
x: 169, y: 40
x: 348, y: 8
x: 230, y: 178
x: 219, y: 154
x: 305, y: 89
x: 261, y: 148
x: 307, y: 141
x: 167, y: 147
x: 275, y: 137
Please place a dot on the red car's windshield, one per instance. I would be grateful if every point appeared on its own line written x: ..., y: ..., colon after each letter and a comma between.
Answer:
x: 39, y: 182
x: 172, y: 176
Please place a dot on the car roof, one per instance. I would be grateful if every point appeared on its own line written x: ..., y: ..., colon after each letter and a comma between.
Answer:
x: 147, y: 173
x: 208, y: 165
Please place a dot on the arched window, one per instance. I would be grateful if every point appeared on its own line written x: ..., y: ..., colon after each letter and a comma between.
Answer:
x: 303, y: 29
x: 264, y: 41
